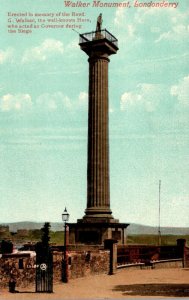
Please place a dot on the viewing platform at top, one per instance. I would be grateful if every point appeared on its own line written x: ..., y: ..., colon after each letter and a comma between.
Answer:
x: 101, y: 39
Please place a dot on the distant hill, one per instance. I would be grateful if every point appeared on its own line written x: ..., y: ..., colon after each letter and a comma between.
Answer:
x: 143, y: 229
x: 131, y: 230
x: 33, y: 225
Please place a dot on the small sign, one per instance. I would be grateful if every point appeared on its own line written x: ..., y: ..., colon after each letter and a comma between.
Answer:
x: 43, y: 267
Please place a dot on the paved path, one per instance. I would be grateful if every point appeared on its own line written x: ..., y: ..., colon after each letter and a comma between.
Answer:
x: 124, y: 284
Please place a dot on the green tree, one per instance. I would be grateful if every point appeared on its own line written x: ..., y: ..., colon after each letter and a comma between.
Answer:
x: 42, y: 248
x: 45, y: 234
x: 6, y: 247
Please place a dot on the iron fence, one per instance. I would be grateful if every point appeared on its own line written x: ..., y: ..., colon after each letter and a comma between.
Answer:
x: 98, y: 35
x: 145, y: 254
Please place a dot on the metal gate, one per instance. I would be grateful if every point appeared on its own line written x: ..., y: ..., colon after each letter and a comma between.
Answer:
x: 44, y: 270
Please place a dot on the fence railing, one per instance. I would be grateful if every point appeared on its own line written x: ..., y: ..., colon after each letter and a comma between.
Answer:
x: 145, y: 254
x: 98, y: 35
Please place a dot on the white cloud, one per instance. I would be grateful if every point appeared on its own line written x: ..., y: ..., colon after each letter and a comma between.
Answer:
x: 42, y: 52
x: 83, y: 98
x: 16, y: 102
x: 146, y: 96
x: 130, y: 99
x: 72, y: 45
x: 6, y: 55
x: 181, y: 91
x: 177, y: 32
x: 47, y: 102
x: 152, y: 24
x: 119, y: 16
x: 52, y: 102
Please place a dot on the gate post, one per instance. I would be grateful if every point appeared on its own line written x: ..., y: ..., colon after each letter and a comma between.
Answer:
x: 181, y: 243
x: 111, y: 245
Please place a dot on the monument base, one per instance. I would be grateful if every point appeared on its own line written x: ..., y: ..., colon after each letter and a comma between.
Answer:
x: 94, y: 232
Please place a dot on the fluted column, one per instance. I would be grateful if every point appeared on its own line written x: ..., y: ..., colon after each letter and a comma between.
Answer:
x: 98, y: 186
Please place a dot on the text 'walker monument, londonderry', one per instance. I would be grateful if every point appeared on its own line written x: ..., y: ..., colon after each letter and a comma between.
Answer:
x: 98, y: 224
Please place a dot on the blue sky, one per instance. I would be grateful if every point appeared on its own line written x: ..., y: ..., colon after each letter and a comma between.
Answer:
x: 43, y: 115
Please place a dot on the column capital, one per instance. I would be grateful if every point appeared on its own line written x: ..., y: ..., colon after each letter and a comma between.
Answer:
x: 98, y: 56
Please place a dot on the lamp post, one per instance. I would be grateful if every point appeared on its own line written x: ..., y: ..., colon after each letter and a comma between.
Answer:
x: 65, y: 218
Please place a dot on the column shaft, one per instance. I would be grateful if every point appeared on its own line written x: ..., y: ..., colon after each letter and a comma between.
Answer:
x: 98, y: 190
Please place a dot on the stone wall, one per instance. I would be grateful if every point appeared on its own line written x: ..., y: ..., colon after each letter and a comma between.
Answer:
x: 81, y: 264
x: 20, y: 268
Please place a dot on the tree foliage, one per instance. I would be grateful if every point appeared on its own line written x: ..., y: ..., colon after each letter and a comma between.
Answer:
x: 42, y: 248
x: 6, y: 247
x: 46, y: 234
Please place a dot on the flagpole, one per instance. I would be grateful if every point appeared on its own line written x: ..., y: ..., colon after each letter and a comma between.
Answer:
x: 159, y: 227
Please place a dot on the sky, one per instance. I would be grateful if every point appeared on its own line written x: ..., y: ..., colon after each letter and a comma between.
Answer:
x: 43, y: 115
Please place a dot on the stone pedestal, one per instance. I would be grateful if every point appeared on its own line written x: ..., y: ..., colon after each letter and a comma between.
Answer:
x: 96, y: 233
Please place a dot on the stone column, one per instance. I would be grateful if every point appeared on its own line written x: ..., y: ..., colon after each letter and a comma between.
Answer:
x: 98, y: 186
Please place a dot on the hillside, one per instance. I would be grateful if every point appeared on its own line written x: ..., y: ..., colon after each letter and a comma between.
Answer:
x: 143, y: 229
x: 131, y: 230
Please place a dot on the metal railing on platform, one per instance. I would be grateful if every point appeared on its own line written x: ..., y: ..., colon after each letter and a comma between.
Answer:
x: 98, y: 35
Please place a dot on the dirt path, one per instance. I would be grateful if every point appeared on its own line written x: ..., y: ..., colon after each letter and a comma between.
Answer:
x: 124, y: 284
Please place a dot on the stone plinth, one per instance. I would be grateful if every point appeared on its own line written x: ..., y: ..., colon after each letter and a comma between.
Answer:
x: 96, y: 233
